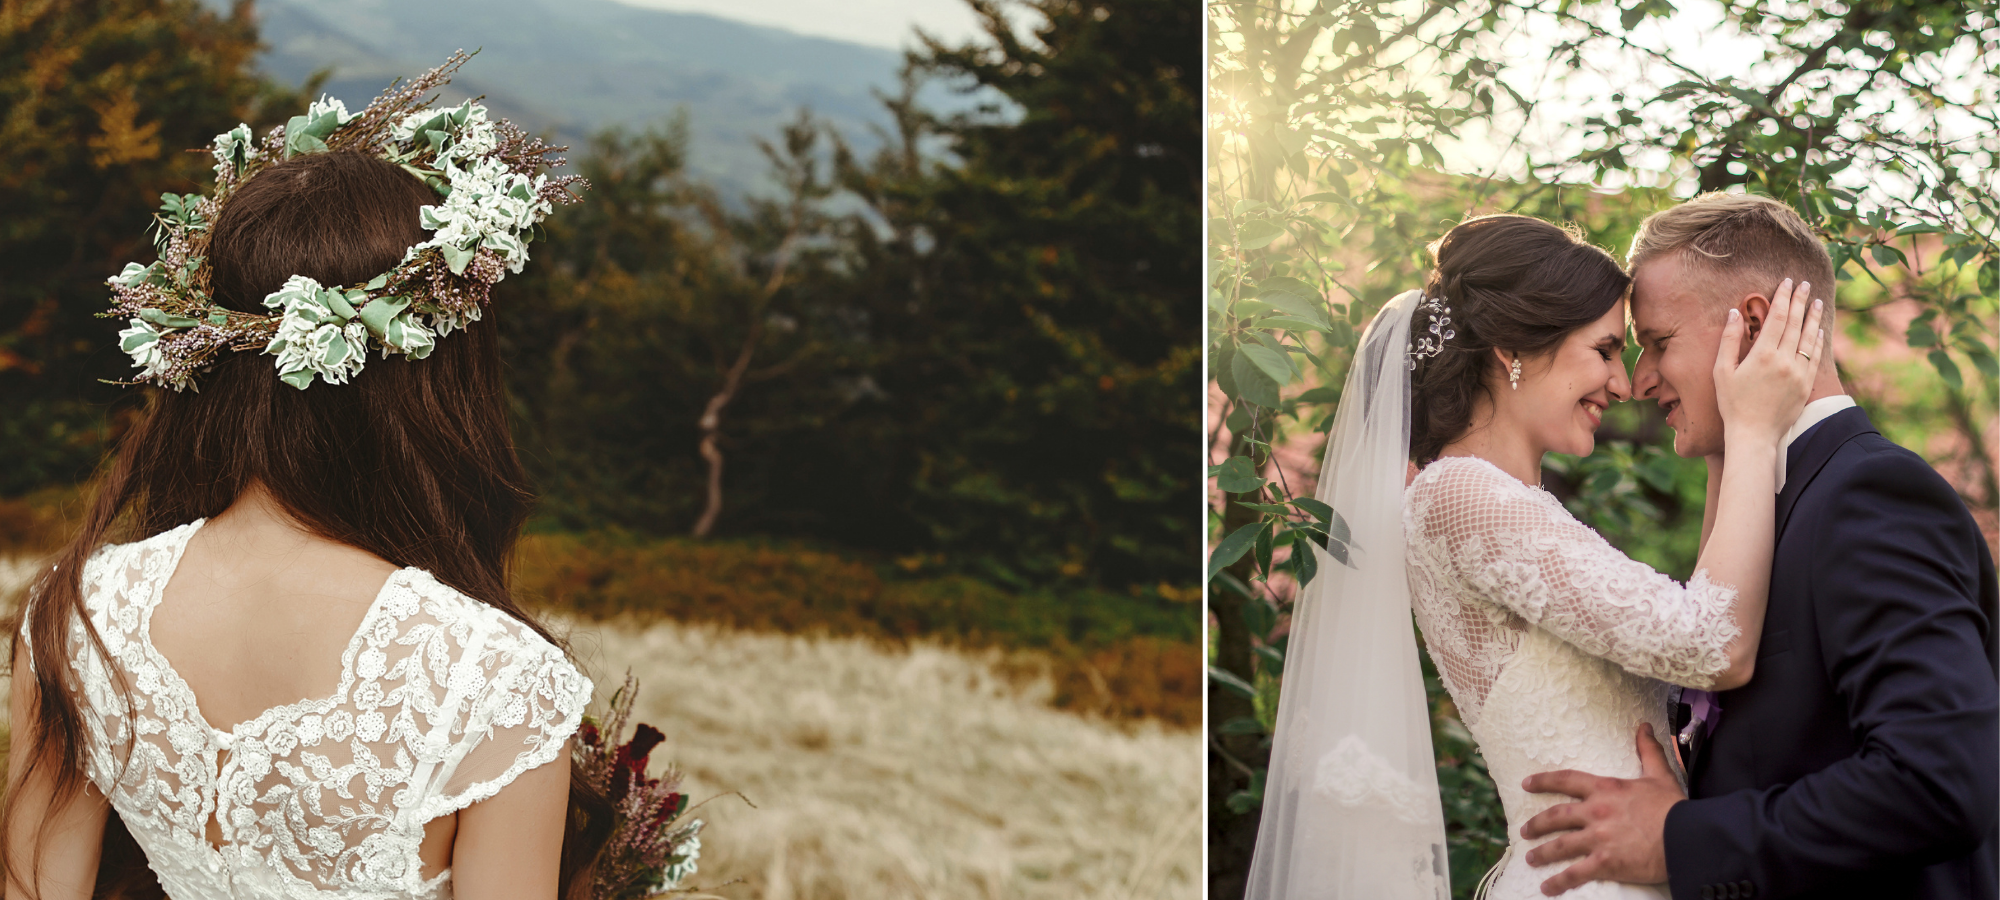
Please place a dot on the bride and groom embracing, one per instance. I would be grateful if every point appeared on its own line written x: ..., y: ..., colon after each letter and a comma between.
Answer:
x: 1813, y: 714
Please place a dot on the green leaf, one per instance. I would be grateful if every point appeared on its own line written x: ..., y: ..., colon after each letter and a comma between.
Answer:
x: 1251, y: 382
x: 1948, y: 369
x: 1319, y: 395
x: 167, y: 320
x: 1292, y: 142
x: 1886, y: 255
x: 1228, y: 681
x: 457, y: 259
x: 1314, y: 508
x: 338, y: 304
x: 378, y: 312
x: 1338, y: 530
x: 136, y: 340
x: 1237, y: 475
x: 1305, y: 564
x: 1232, y: 548
x: 1271, y: 362
x: 1983, y: 360
x: 1293, y: 323
x: 1272, y: 508
x: 1259, y: 617
x: 1241, y: 725
x: 1258, y: 233
x: 1295, y: 297
x: 1920, y: 334
x: 1221, y: 367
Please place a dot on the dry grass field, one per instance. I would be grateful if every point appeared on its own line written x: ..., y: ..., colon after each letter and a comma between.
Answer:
x: 888, y: 771
x: 923, y: 772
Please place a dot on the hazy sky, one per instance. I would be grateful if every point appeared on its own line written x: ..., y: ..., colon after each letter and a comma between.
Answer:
x: 880, y: 23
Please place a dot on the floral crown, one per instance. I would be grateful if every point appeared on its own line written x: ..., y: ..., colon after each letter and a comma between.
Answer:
x: 491, y: 198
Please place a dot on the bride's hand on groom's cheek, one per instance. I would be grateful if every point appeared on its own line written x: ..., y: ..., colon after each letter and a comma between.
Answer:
x: 1615, y: 826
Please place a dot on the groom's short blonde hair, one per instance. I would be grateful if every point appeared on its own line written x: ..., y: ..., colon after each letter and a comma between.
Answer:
x: 1747, y: 242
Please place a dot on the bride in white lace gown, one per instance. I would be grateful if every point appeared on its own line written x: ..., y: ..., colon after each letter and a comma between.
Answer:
x: 1553, y: 645
x: 280, y: 658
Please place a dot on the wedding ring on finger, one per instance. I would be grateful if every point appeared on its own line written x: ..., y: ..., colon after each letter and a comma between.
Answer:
x: 1808, y: 356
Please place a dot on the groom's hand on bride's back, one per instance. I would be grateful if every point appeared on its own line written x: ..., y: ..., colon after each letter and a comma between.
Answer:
x: 1613, y: 829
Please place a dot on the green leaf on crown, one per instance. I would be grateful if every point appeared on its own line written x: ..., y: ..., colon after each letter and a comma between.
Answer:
x: 376, y: 315
x: 137, y: 339
x: 457, y: 258
x: 338, y: 304
x: 167, y: 320
x: 306, y: 134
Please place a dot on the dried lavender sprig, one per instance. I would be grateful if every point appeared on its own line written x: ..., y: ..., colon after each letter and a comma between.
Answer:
x: 369, y: 130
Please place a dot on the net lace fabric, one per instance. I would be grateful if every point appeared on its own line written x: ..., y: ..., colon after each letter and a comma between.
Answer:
x: 442, y: 701
x: 1553, y: 645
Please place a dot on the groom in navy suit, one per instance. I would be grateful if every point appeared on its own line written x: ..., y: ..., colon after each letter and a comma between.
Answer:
x: 1863, y: 757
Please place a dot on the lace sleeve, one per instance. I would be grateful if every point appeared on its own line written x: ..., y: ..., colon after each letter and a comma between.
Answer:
x: 529, y: 708
x: 1522, y: 550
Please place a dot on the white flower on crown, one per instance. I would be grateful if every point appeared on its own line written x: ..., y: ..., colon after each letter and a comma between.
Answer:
x: 142, y: 342
x: 486, y: 209
x: 313, y: 338
x: 325, y: 103
x: 447, y: 322
x: 476, y: 138
x: 132, y: 275
x: 229, y: 144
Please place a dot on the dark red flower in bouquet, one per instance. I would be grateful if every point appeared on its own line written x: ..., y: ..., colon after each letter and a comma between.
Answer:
x: 644, y: 738
x: 629, y: 771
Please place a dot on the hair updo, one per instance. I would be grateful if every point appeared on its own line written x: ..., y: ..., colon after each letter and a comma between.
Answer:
x: 1513, y: 282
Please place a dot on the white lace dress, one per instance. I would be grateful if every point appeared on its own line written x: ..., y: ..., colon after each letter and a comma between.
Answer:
x: 1553, y: 644
x: 442, y: 701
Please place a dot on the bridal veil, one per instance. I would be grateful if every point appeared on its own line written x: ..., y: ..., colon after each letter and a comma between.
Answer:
x: 1351, y: 807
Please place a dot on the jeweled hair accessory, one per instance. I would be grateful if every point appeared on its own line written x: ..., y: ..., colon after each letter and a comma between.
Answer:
x: 1425, y: 346
x: 491, y: 196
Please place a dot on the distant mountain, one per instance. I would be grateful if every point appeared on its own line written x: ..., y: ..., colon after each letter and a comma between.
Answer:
x: 578, y: 66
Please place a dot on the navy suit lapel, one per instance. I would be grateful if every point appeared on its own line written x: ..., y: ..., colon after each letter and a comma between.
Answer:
x: 1810, y: 453
x: 1803, y: 461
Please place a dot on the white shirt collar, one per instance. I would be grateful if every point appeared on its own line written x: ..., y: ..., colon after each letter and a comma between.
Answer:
x: 1814, y: 413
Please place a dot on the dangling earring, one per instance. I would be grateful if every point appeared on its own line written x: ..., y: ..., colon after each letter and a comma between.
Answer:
x: 1514, y: 374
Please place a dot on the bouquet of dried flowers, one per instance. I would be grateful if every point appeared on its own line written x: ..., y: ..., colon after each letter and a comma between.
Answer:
x: 652, y: 848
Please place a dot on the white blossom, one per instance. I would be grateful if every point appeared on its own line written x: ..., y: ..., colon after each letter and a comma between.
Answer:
x: 313, y: 338
x: 142, y: 342
x: 326, y: 103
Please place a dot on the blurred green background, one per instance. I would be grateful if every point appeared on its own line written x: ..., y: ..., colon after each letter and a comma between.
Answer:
x: 1346, y: 136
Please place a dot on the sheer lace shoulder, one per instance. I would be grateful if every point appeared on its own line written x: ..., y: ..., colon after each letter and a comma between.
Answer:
x: 1491, y: 556
x: 442, y: 701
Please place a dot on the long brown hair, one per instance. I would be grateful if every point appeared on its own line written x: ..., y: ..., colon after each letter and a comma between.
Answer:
x: 1513, y: 282
x: 411, y: 460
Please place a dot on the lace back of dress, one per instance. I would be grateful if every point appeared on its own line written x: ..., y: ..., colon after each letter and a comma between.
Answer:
x: 441, y: 701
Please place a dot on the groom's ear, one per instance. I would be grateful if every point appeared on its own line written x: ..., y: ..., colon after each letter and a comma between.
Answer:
x: 1756, y: 310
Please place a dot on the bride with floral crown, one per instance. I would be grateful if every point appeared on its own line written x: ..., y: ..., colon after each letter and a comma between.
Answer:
x: 280, y: 652
x: 1555, y: 647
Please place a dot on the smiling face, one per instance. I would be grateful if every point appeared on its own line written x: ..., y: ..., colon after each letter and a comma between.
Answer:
x: 1679, y: 329
x: 1564, y: 394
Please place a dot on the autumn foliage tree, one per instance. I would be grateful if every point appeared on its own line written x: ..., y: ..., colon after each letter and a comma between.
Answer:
x: 99, y: 102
